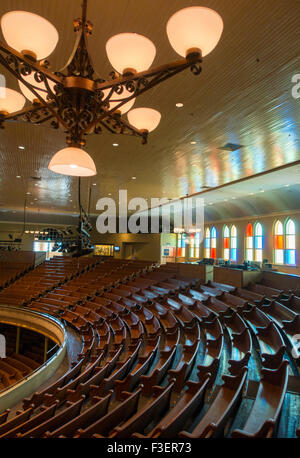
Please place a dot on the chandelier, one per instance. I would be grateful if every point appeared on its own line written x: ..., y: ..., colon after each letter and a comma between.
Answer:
x: 76, y: 99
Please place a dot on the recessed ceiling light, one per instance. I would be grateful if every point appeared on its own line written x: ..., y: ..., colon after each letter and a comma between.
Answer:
x: 35, y: 199
x: 18, y: 176
x: 35, y: 184
x: 28, y: 193
x: 179, y: 105
x: 115, y: 144
x: 94, y: 184
x: 71, y: 200
x: 193, y: 143
x: 109, y: 193
x: 21, y: 147
x: 134, y: 178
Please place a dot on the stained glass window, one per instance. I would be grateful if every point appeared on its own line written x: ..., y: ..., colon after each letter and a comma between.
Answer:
x: 179, y: 236
x: 249, y: 242
x: 207, y: 243
x: 226, y: 243
x: 258, y: 242
x: 233, y: 244
x: 278, y: 243
x: 290, y: 242
x: 183, y: 239
x: 197, y: 245
x: 213, y: 249
x: 192, y: 245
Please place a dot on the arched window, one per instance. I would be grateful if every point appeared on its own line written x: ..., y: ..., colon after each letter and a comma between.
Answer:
x: 192, y: 245
x: 249, y: 242
x: 207, y: 243
x: 197, y: 244
x: 183, y: 242
x: 213, y: 251
x: 258, y: 242
x: 233, y: 243
x: 226, y: 241
x: 290, y: 242
x: 278, y: 243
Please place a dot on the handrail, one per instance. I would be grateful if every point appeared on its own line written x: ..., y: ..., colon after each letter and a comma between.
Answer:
x: 48, y: 318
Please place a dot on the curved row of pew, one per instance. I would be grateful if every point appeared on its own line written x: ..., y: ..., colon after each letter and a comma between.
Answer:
x: 163, y: 356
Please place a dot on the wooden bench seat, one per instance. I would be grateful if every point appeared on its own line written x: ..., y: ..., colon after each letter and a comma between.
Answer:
x: 164, y: 315
x: 182, y: 313
x: 151, y: 411
x: 265, y: 412
x: 60, y: 393
x: 122, y: 369
x: 18, y: 419
x: 173, y: 422
x: 189, y: 354
x: 71, y: 410
x: 270, y: 293
x: 221, y: 409
x: 200, y: 310
x: 103, y: 426
x: 220, y: 286
x: 86, y: 418
x: 250, y: 296
x: 163, y: 364
x: 31, y: 423
x: 143, y: 364
x: 235, y: 302
x: 240, y: 342
x: 217, y: 306
x: 213, y: 349
x: 3, y: 416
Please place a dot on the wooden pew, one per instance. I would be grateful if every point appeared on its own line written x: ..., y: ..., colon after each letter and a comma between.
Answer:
x: 189, y: 354
x: 250, y: 296
x: 213, y: 350
x: 35, y: 420
x: 222, y: 408
x: 173, y: 422
x: 86, y: 418
x: 18, y: 419
x: 267, y: 406
x: 119, y: 414
x: 151, y: 411
x: 3, y: 416
x: 70, y: 411
x: 240, y: 342
x: 122, y: 369
x: 182, y: 313
x: 143, y: 364
x: 163, y: 364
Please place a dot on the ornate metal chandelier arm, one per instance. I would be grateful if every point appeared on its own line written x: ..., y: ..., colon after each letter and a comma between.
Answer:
x: 141, y: 82
x: 17, y: 59
x: 117, y: 125
x: 171, y: 69
x: 31, y: 109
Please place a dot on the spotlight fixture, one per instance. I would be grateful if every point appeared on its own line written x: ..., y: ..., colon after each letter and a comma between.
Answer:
x: 75, y: 99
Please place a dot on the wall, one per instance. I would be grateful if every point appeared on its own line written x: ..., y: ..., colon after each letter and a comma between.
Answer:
x: 267, y: 223
x: 144, y: 247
